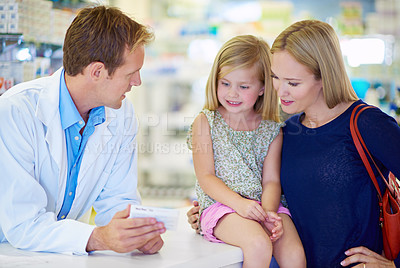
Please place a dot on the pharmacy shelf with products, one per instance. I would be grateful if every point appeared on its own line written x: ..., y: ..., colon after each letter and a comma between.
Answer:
x: 31, y: 36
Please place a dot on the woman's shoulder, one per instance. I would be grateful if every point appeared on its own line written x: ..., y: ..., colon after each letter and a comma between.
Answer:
x: 376, y: 119
x: 372, y: 116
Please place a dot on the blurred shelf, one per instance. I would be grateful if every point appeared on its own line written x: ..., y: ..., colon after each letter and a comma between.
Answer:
x: 8, y: 39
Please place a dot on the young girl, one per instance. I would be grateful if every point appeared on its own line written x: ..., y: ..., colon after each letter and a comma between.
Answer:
x: 236, y: 143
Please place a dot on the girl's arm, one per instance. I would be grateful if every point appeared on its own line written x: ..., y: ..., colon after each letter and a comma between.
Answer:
x: 271, y: 185
x: 203, y: 161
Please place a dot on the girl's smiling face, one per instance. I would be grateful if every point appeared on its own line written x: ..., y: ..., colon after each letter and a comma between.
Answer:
x: 239, y: 90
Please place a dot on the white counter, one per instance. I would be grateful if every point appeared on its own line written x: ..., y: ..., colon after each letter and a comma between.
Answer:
x: 182, y: 248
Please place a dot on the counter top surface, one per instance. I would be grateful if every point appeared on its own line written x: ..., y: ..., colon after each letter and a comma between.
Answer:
x: 182, y: 248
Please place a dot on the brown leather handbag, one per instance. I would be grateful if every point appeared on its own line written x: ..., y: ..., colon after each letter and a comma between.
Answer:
x: 389, y: 203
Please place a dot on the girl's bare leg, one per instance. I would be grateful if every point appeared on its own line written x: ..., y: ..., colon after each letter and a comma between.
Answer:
x: 247, y: 234
x: 288, y: 250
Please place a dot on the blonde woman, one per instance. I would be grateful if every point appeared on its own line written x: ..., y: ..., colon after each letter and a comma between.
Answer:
x: 332, y: 200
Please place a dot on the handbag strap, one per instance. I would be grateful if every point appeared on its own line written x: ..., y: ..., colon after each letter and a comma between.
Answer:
x: 362, y: 148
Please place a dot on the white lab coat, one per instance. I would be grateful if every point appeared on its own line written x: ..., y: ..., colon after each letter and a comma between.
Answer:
x: 33, y: 169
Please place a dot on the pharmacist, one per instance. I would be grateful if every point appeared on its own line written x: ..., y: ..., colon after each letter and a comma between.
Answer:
x: 68, y: 142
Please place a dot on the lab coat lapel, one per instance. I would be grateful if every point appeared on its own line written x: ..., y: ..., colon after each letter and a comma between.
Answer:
x: 48, y: 113
x: 97, y: 144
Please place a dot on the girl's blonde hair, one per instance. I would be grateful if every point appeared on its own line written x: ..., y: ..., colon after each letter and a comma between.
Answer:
x: 315, y: 44
x: 243, y: 52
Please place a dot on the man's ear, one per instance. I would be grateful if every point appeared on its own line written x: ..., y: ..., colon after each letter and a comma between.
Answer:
x: 96, y: 70
x: 261, y: 91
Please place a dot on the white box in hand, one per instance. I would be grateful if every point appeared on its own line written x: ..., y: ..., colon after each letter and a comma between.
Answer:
x: 168, y: 216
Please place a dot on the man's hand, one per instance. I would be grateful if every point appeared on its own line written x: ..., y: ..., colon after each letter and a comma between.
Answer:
x: 123, y: 234
x: 152, y: 246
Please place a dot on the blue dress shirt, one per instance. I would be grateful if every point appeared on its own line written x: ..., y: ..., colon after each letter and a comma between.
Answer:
x: 72, y: 123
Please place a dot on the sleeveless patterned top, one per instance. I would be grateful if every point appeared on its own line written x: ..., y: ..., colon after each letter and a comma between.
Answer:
x: 238, y: 156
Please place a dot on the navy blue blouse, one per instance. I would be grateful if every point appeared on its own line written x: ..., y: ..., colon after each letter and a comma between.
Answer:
x: 332, y: 200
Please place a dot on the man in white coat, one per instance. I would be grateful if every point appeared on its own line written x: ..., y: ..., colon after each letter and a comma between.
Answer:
x: 68, y: 142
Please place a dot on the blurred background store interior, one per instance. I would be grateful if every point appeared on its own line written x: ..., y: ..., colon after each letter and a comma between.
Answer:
x: 188, y: 35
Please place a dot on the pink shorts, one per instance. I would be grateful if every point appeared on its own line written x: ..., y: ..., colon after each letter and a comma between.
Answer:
x: 211, y: 215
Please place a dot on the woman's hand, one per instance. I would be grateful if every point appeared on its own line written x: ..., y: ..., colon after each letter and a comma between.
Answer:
x: 367, y: 259
x: 193, y: 216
